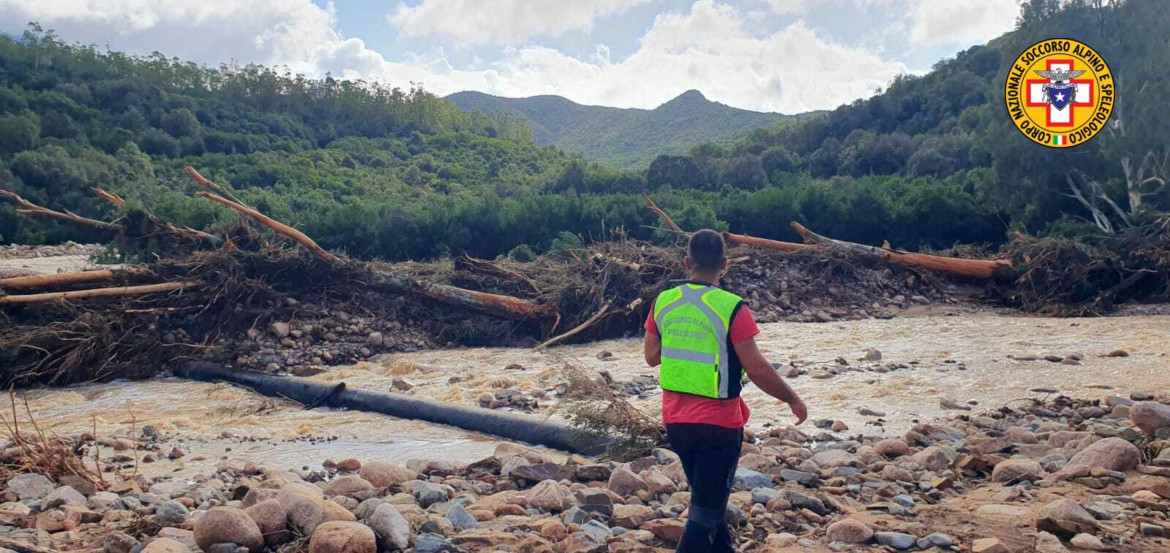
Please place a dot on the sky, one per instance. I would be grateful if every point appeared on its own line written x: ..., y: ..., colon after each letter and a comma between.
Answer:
x: 787, y: 56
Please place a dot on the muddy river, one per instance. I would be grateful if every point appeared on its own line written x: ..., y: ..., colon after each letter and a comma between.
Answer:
x: 964, y: 357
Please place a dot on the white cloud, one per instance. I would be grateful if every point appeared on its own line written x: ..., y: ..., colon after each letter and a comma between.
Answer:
x: 787, y: 7
x: 960, y: 23
x: 711, y: 47
x: 471, y: 22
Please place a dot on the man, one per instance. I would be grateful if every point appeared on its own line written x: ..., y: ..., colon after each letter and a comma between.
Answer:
x: 704, y: 338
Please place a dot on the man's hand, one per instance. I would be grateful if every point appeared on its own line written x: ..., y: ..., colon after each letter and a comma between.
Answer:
x: 798, y: 410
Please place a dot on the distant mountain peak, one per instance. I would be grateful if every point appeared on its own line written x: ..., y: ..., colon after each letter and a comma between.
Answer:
x: 692, y: 94
x: 623, y: 137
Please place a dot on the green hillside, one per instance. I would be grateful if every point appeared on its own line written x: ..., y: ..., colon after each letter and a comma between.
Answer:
x: 624, y: 138
x: 931, y: 162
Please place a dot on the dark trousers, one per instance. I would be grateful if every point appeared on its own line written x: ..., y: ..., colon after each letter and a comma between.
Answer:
x: 709, y: 456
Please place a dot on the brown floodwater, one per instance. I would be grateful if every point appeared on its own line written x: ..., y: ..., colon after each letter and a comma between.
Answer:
x: 963, y: 357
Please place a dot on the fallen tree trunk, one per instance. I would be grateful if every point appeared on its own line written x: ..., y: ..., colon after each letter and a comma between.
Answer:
x: 492, y: 304
x: 744, y: 240
x: 984, y: 269
x: 276, y: 226
x: 29, y: 209
x: 41, y: 281
x: 506, y: 425
x: 98, y: 293
x: 730, y: 238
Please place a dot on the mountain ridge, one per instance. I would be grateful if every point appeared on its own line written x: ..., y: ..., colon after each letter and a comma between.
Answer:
x: 621, y: 137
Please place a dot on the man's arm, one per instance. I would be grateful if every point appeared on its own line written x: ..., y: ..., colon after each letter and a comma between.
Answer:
x: 652, y: 349
x: 767, y: 379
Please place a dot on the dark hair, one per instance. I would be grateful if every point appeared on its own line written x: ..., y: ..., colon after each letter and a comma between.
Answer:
x: 706, y: 251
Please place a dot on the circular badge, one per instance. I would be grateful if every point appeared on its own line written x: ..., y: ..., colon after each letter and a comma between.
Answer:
x: 1060, y: 93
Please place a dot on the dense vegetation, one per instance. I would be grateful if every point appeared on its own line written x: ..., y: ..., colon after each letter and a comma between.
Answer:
x: 623, y: 138
x: 941, y: 145
x: 931, y: 162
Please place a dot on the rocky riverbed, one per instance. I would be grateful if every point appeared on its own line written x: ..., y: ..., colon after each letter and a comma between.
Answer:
x: 1052, y: 477
x: 975, y: 432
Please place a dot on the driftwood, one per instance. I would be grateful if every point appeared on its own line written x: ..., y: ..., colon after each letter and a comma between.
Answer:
x: 731, y: 238
x: 483, y: 302
x: 745, y: 240
x: 206, y: 183
x: 29, y: 209
x: 469, y: 264
x: 276, y: 226
x: 41, y: 281
x: 98, y: 293
x: 579, y: 328
x: 985, y: 269
x: 492, y: 304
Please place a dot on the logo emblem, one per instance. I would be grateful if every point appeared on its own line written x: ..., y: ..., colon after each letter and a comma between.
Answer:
x: 1059, y: 93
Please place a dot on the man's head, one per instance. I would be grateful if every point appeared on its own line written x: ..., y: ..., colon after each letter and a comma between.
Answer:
x: 705, y: 256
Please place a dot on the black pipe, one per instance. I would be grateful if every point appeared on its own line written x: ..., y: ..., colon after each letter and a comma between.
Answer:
x: 507, y: 425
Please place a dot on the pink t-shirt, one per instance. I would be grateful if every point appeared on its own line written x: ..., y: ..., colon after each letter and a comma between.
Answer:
x: 687, y: 408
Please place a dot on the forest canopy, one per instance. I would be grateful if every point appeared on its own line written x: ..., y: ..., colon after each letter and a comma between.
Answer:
x: 931, y: 162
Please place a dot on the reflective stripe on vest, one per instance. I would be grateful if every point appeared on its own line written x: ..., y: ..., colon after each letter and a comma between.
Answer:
x: 686, y: 359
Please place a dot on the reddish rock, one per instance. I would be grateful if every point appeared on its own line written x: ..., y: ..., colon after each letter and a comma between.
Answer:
x: 347, y: 485
x: 892, y: 448
x: 625, y: 483
x: 670, y: 530
x: 1150, y: 416
x: 343, y: 537
x: 849, y: 531
x: 1109, y: 453
x: 1017, y: 470
x: 270, y: 517
x: 382, y: 474
x: 227, y: 525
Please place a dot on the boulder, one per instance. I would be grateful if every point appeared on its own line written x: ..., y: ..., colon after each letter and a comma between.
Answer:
x: 461, y: 519
x: 1088, y: 542
x: 64, y: 495
x: 548, y: 496
x: 849, y: 531
x: 933, y: 458
x: 30, y: 487
x: 625, y: 483
x: 343, y: 537
x: 1016, y: 470
x: 659, y: 483
x: 306, y: 512
x: 382, y: 474
x: 347, y: 485
x: 227, y: 525
x: 631, y: 516
x: 270, y: 517
x: 171, y: 513
x: 1150, y: 416
x: 749, y: 479
x: 1066, y: 518
x: 896, y: 540
x: 392, y: 529
x: 1047, y: 543
x: 1109, y: 453
x: 892, y: 447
